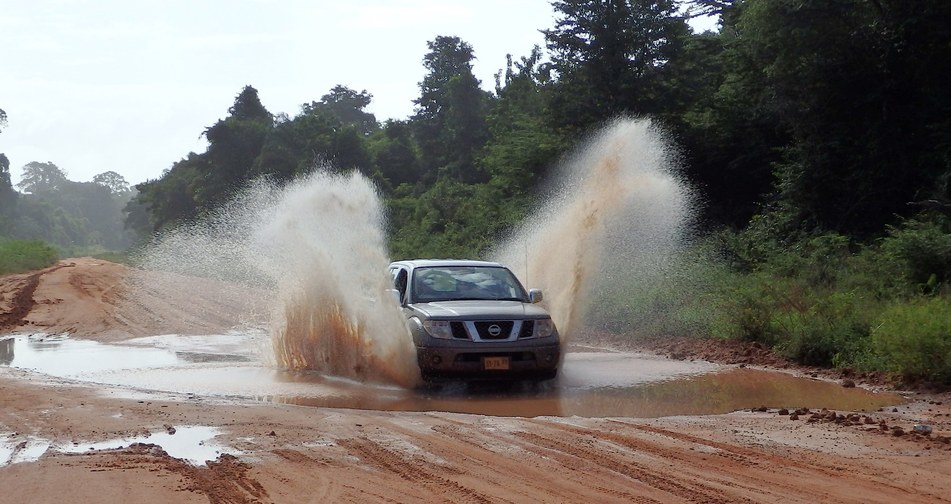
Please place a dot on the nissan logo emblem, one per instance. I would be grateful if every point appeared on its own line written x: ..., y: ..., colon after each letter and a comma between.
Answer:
x: 495, y: 330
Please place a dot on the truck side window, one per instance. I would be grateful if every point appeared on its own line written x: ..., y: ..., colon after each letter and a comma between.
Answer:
x: 400, y: 283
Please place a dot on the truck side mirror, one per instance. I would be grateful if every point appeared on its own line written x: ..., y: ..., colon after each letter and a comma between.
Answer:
x: 535, y: 296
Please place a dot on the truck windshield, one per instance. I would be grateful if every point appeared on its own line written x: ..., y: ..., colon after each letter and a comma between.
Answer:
x: 455, y: 283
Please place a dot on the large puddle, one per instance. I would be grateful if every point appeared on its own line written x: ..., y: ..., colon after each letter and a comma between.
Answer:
x: 591, y: 384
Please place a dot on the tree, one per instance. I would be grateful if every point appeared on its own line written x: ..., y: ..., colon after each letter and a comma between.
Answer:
x: 522, y: 145
x: 394, y: 155
x: 233, y: 145
x: 247, y: 106
x: 609, y: 55
x: 41, y: 177
x: 731, y: 132
x: 8, y: 196
x: 348, y: 106
x: 115, y: 182
x: 861, y: 87
x: 449, y: 119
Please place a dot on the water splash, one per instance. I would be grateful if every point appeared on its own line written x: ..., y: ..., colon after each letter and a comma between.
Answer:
x: 336, y: 314
x: 616, y: 214
x: 315, y: 249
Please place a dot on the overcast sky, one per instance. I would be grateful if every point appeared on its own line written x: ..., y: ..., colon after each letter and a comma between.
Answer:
x: 129, y: 85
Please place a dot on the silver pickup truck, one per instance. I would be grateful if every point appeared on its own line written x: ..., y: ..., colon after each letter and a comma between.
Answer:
x: 473, y: 319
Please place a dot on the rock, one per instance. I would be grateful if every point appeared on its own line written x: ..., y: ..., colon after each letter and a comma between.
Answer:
x: 922, y: 429
x: 848, y: 383
x: 794, y: 417
x: 783, y: 411
x: 898, y: 431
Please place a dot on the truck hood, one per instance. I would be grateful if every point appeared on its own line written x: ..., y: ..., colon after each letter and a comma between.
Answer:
x: 479, y: 310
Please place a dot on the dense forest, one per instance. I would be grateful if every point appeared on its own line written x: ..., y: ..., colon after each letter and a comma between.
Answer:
x: 817, y: 134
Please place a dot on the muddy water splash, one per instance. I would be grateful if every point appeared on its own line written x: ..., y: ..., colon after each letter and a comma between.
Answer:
x: 315, y: 251
x: 337, y: 317
x: 617, y: 213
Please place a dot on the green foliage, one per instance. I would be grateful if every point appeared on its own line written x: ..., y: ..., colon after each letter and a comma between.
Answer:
x: 923, y: 248
x: 17, y: 256
x: 522, y: 145
x: 41, y: 177
x: 816, y: 130
x: 449, y: 123
x: 394, y: 154
x: 819, y: 300
x: 914, y: 339
x: 348, y: 107
x: 8, y: 197
x: 116, y: 183
x: 611, y: 58
x: 852, y: 84
x: 682, y: 297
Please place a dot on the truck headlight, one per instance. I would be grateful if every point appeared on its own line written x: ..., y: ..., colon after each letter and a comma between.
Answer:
x: 438, y: 328
x: 544, y: 328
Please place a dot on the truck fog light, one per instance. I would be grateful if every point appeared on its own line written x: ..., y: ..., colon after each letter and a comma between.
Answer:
x: 436, y: 360
x: 550, y: 358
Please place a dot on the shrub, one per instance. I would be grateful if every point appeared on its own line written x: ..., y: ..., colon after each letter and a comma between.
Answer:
x: 24, y: 255
x: 832, y: 331
x: 914, y: 339
x: 923, y: 248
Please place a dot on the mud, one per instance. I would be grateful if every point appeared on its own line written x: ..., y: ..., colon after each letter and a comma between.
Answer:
x: 281, y: 452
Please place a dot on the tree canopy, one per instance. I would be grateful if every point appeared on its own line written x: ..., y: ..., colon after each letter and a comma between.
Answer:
x: 813, y: 115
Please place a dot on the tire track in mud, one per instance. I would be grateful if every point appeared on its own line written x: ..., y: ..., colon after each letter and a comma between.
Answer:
x: 604, y: 459
x: 575, y: 482
x: 22, y: 302
x: 415, y: 471
x: 223, y: 481
x: 734, y: 471
x: 533, y: 479
x: 766, y: 462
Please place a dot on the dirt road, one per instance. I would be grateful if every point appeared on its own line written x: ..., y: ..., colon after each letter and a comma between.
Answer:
x: 264, y: 452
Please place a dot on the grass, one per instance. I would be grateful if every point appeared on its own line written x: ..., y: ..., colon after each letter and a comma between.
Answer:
x: 17, y: 256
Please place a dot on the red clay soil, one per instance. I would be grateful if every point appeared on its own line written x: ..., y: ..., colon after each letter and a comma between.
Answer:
x: 285, y: 453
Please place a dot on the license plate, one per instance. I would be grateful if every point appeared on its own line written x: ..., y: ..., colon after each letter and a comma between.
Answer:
x: 496, y: 363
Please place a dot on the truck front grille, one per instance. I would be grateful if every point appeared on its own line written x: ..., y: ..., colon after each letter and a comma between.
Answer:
x: 494, y: 330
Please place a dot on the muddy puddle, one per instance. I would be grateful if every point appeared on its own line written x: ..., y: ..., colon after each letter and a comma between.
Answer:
x: 194, y: 444
x: 591, y: 384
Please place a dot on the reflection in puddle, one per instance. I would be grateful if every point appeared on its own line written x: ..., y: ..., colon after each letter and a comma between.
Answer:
x: 15, y: 450
x: 591, y: 384
x: 713, y: 393
x: 193, y: 444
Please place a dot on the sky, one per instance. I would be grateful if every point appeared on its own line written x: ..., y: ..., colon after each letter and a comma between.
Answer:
x: 130, y: 85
